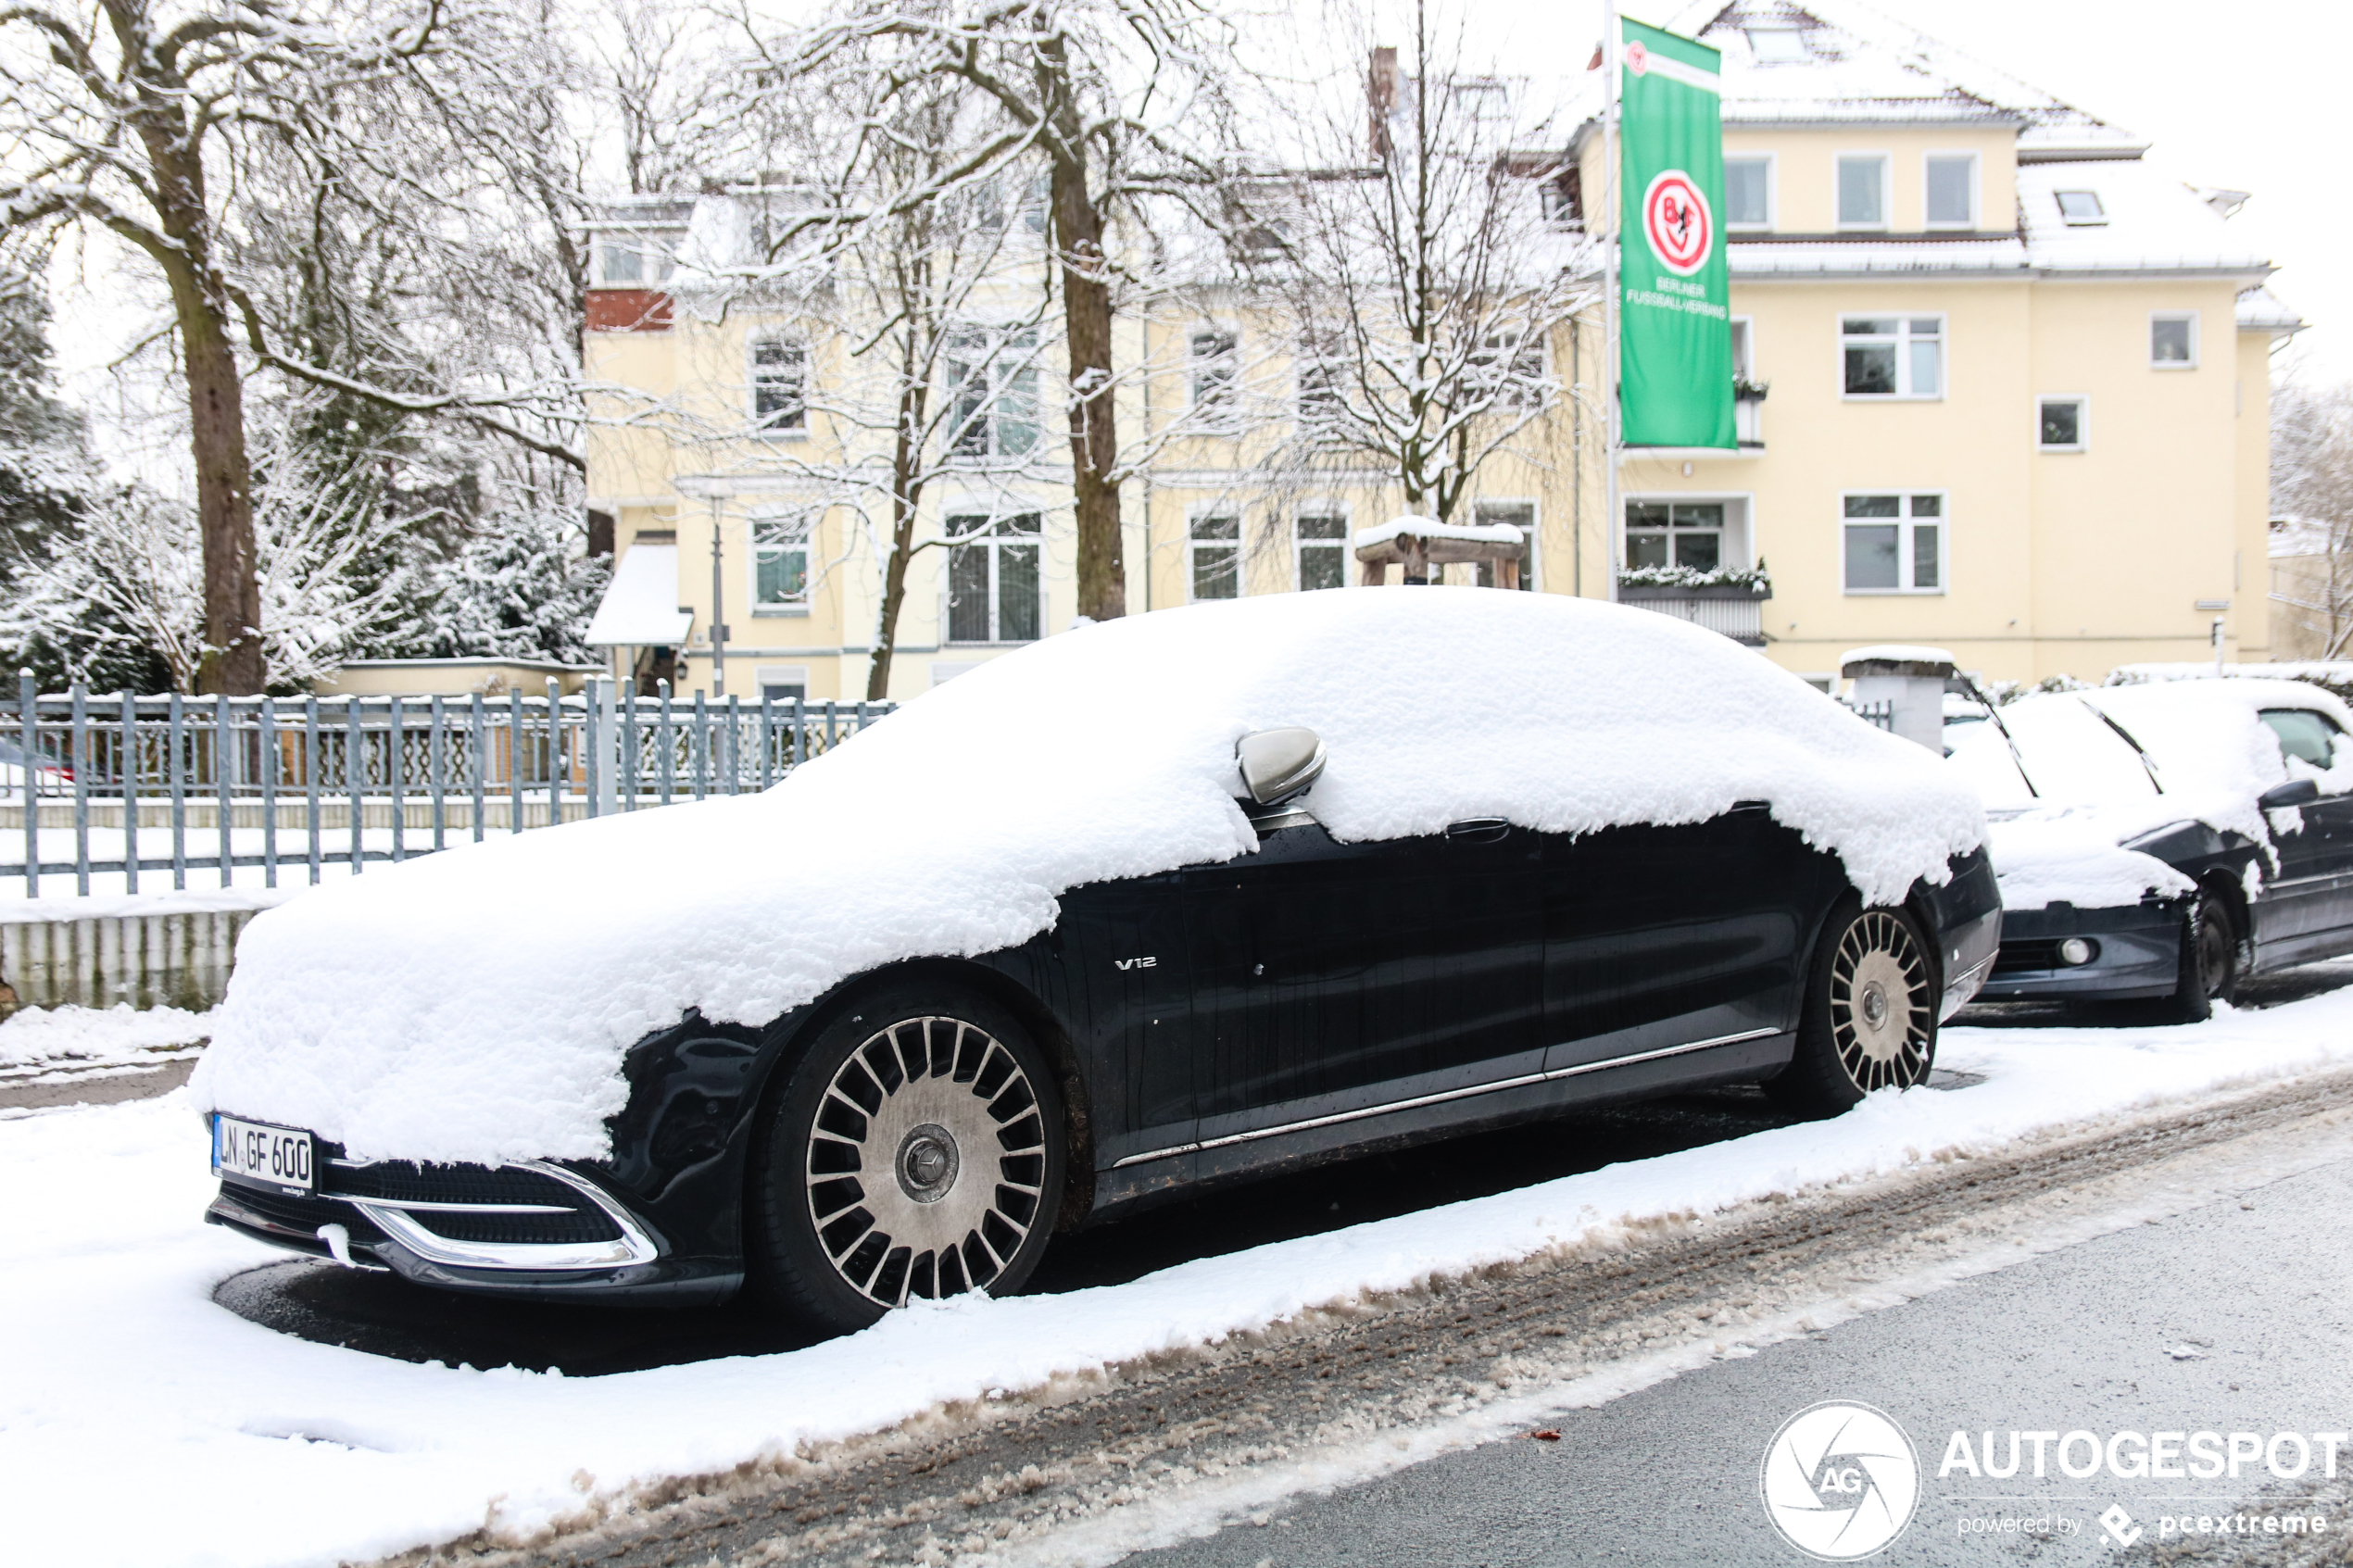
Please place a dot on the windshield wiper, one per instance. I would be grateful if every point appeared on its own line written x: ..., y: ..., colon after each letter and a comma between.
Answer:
x: 2148, y: 765
x: 1996, y: 714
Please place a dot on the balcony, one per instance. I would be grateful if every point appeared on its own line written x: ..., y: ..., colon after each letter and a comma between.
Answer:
x: 1748, y: 411
x: 1731, y: 602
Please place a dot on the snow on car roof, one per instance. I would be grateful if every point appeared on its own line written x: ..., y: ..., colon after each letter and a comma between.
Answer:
x: 475, y: 1004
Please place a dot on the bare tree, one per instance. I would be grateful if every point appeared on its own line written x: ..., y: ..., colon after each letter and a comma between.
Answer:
x: 1424, y: 264
x: 1114, y: 97
x: 2312, y: 494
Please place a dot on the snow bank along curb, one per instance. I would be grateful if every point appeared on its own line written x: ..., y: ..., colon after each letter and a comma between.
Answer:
x: 304, y: 1453
x: 951, y: 826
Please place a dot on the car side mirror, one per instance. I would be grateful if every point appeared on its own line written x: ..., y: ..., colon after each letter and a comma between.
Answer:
x: 1279, y: 764
x: 2296, y: 792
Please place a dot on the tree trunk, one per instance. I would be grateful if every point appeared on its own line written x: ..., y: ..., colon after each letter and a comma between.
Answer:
x: 232, y: 658
x: 905, y: 496
x: 1094, y: 445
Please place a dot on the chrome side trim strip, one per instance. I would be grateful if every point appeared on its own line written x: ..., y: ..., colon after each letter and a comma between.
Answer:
x: 632, y: 1246
x: 1524, y: 1081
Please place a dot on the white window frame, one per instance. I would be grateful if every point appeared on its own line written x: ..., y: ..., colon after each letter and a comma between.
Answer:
x: 2098, y: 221
x: 791, y: 531
x: 1010, y: 368
x: 1223, y: 407
x: 1772, y: 162
x: 2082, y: 442
x: 767, y: 675
x: 1739, y: 523
x: 994, y: 543
x: 798, y: 431
x: 1744, y: 335
x: 1903, y: 340
x: 1300, y: 547
x: 1522, y: 372
x: 1906, y: 542
x: 1486, y: 504
x: 1194, y: 543
x: 2188, y: 364
x: 1976, y: 191
x: 656, y: 251
x: 1886, y: 192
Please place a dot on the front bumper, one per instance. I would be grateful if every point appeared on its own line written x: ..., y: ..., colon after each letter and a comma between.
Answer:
x: 2140, y: 953
x: 531, y: 1228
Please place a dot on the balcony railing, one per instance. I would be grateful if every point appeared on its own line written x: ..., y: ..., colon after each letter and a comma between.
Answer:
x: 1732, y: 609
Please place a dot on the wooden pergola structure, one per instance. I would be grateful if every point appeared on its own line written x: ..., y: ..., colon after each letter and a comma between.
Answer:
x: 1433, y: 543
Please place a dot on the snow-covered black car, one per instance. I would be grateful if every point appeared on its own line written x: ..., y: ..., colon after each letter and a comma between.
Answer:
x: 1154, y: 904
x: 2165, y: 840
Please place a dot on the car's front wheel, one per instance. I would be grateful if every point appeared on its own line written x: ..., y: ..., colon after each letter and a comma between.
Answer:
x: 1869, y: 1020
x: 916, y: 1151
x: 2209, y: 969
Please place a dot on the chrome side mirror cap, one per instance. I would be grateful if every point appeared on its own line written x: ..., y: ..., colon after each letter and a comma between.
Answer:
x: 1278, y: 764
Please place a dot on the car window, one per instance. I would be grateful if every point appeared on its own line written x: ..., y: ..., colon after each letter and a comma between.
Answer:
x: 2304, y: 734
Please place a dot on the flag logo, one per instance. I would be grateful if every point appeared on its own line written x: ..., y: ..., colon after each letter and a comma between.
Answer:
x: 1677, y: 223
x: 1638, y: 59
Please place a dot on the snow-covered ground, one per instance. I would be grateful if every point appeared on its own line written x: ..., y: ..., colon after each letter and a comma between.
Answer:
x: 242, y: 1446
x: 48, y: 1044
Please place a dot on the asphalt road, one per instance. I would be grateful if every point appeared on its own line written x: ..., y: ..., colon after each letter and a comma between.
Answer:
x: 2234, y: 1317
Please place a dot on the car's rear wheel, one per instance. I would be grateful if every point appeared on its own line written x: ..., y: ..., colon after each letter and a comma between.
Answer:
x: 2210, y: 969
x: 915, y: 1152
x: 1869, y: 1020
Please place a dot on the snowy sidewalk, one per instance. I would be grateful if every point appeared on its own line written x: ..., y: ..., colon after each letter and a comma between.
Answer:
x: 245, y: 1446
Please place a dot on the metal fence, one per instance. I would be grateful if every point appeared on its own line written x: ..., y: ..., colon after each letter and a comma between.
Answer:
x: 175, y: 784
x: 1882, y: 712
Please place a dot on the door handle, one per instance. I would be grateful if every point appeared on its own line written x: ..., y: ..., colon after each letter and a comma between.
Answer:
x: 1479, y: 830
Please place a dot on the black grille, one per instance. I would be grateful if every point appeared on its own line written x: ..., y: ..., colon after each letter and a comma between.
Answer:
x: 396, y: 1180
x: 303, y: 1214
x: 577, y: 1224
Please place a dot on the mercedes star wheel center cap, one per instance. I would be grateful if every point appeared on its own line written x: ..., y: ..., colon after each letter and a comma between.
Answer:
x: 928, y: 1164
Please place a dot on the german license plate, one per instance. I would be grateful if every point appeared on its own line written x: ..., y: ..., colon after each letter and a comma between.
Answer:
x: 266, y: 1155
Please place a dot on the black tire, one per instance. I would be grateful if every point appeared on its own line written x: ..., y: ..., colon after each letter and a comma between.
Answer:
x: 1869, y: 1019
x: 837, y: 1235
x: 2210, y: 964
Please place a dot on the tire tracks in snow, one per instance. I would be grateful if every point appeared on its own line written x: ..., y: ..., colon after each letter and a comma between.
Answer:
x: 1089, y: 1467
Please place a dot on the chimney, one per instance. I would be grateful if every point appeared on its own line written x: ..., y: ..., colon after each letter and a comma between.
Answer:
x: 1380, y: 99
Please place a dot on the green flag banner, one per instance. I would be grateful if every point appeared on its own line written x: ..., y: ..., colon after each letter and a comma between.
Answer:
x: 1675, y: 335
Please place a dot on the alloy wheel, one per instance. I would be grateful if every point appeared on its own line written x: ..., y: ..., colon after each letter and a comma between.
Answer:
x: 926, y: 1162
x: 1878, y: 1004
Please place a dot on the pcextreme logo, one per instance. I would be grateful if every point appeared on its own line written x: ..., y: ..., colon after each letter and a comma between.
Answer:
x: 1840, y: 1480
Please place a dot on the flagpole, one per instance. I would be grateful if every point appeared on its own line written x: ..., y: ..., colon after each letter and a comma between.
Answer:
x: 1612, y: 518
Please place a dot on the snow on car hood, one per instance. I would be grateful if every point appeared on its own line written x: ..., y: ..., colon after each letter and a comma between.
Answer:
x: 474, y: 1005
x: 2209, y: 748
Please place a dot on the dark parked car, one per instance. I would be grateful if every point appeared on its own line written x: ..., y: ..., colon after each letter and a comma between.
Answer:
x: 2231, y: 785
x: 921, y: 1128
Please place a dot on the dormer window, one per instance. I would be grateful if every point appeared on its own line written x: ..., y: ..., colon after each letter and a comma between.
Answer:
x: 632, y: 260
x: 2081, y: 209
x: 1777, y: 45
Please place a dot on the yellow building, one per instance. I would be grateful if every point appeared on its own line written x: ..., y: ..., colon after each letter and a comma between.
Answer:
x: 2003, y: 388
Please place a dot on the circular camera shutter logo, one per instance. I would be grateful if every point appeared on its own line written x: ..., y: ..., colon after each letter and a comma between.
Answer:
x: 1840, y: 1480
x: 1676, y: 222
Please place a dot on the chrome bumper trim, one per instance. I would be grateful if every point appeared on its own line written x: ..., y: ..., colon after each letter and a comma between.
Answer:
x: 632, y: 1246
x: 1523, y: 1081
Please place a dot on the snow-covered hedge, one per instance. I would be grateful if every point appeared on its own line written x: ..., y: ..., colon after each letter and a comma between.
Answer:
x: 1755, y: 579
x: 475, y: 1004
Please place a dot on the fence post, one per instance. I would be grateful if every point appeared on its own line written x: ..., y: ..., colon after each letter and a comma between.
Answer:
x: 269, y: 749
x: 310, y: 782
x: 669, y: 741
x: 175, y: 737
x: 222, y: 735
x: 734, y: 745
x: 393, y: 760
x: 127, y: 770
x: 440, y: 764
x: 29, y: 719
x: 482, y: 760
x: 800, y: 730
x: 78, y: 748
x: 629, y: 748
x: 699, y: 749
x: 514, y: 759
x: 557, y: 774
x: 355, y: 769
